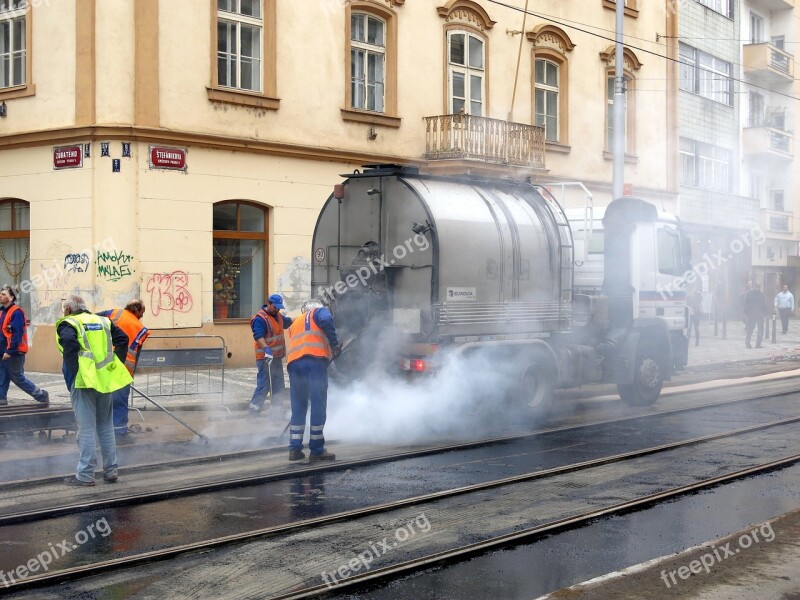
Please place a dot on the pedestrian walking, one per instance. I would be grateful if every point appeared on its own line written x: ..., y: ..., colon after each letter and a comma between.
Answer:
x: 784, y: 306
x: 694, y: 300
x: 92, y: 371
x: 755, y: 309
x: 129, y: 320
x: 13, y: 347
x: 268, y: 326
x: 312, y: 346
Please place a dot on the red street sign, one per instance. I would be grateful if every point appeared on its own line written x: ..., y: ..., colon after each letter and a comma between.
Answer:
x: 67, y: 157
x: 167, y: 158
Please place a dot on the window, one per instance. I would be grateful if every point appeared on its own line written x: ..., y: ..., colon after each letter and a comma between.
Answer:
x: 610, y: 114
x: 240, y: 245
x: 15, y: 247
x: 239, y: 30
x: 13, y: 43
x: 367, y: 61
x: 546, y: 98
x: 757, y: 112
x: 243, y: 35
x: 669, y: 252
x: 465, y: 73
x: 777, y: 200
x: 705, y: 166
x: 756, y: 28
x: 705, y: 75
x: 723, y: 7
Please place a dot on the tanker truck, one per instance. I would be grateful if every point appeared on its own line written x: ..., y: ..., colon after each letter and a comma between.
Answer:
x: 419, y: 269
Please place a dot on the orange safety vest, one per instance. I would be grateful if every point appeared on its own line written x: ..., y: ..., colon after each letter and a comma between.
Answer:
x: 306, y: 338
x: 136, y: 332
x: 23, y: 343
x: 275, y: 341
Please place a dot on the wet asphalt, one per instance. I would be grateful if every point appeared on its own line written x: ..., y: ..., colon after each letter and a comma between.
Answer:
x: 146, y: 527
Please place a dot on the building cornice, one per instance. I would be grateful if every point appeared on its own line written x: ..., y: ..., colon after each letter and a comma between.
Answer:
x: 53, y: 137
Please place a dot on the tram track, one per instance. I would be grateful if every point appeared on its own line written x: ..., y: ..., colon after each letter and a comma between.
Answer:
x: 120, y: 496
x: 432, y: 499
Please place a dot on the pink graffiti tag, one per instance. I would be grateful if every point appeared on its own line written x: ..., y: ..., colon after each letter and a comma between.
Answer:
x: 169, y: 291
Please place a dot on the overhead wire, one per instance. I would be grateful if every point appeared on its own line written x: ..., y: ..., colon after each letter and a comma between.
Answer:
x: 566, y: 23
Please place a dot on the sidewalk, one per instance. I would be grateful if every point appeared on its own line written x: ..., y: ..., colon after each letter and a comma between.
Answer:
x: 714, y: 351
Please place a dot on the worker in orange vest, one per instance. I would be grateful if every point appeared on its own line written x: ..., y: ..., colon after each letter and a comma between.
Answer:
x: 268, y: 325
x: 13, y: 346
x: 127, y: 319
x: 312, y: 346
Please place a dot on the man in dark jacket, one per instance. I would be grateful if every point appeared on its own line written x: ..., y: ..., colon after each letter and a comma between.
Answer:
x: 755, y: 309
x: 13, y: 346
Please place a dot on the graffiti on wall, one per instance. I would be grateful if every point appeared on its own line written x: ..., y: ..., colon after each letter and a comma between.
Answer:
x: 76, y: 262
x: 171, y: 298
x: 114, y: 265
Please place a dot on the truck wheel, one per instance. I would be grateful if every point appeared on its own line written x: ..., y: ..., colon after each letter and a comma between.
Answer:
x: 535, y: 393
x: 648, y: 379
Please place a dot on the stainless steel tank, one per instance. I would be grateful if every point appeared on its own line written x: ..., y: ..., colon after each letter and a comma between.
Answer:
x: 445, y: 257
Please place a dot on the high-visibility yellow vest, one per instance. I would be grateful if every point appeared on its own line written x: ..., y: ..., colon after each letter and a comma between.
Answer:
x: 98, y: 367
x: 306, y: 338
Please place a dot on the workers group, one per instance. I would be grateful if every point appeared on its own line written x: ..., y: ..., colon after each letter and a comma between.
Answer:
x: 100, y: 353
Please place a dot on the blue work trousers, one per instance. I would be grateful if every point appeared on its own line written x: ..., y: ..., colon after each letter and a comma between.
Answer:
x: 13, y: 369
x: 119, y: 401
x: 93, y: 415
x: 263, y: 380
x: 308, y: 380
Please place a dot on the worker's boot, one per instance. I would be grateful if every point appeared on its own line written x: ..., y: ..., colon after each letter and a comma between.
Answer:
x: 296, y: 455
x: 324, y: 455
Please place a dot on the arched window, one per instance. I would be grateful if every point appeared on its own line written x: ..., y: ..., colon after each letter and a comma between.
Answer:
x: 551, y: 47
x: 15, y: 246
x: 631, y: 65
x: 240, y: 259
x: 466, y: 73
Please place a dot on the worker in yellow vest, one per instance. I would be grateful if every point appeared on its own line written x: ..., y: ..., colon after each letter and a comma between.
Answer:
x: 92, y: 371
x: 312, y: 346
x: 127, y: 319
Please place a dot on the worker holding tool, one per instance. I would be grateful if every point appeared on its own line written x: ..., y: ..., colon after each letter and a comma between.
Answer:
x: 127, y: 319
x: 92, y: 372
x: 268, y: 325
x: 312, y: 346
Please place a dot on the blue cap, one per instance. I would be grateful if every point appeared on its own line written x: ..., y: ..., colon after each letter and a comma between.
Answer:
x: 276, y: 301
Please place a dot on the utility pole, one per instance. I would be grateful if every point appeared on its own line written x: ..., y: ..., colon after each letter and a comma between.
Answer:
x: 618, y: 143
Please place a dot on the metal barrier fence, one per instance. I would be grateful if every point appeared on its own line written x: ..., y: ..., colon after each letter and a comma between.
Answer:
x: 182, y: 365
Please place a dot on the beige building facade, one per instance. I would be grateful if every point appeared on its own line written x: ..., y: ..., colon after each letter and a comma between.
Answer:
x: 154, y: 149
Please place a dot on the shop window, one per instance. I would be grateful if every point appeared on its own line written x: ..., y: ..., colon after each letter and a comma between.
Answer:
x: 15, y: 248
x: 240, y: 261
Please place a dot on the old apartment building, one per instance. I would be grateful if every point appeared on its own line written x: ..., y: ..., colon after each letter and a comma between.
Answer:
x: 181, y: 150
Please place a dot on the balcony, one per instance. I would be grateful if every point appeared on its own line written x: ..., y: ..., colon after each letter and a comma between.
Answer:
x: 777, y: 222
x: 467, y: 143
x: 768, y: 63
x: 767, y: 143
x: 773, y: 4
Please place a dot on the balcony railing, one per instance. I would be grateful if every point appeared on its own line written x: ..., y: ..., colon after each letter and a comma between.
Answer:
x: 768, y: 142
x: 462, y: 136
x: 767, y: 60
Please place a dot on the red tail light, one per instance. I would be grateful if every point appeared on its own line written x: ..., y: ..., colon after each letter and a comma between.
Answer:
x: 416, y: 365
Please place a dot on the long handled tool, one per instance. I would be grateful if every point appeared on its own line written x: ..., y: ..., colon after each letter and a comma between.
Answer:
x: 202, y: 437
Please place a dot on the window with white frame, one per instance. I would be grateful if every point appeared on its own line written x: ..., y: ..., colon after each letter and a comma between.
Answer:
x: 705, y: 75
x: 756, y: 28
x: 723, y: 7
x: 240, y: 27
x: 705, y: 166
x: 367, y: 62
x: 13, y: 51
x: 546, y: 86
x: 465, y: 72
